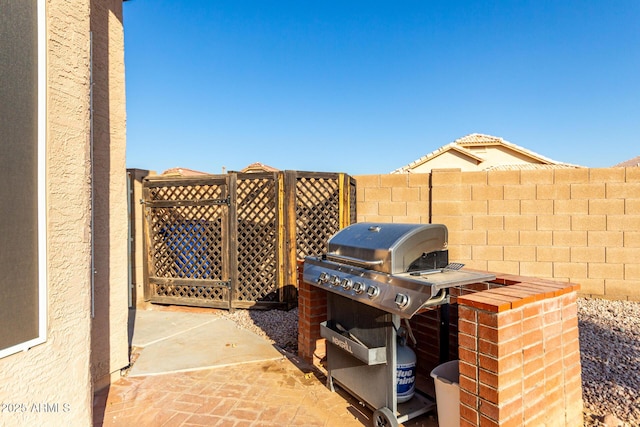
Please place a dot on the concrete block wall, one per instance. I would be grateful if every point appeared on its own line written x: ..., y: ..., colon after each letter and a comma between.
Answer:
x: 579, y: 225
x: 393, y: 198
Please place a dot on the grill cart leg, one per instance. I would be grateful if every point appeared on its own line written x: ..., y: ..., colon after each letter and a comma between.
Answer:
x: 330, y: 382
x: 384, y: 417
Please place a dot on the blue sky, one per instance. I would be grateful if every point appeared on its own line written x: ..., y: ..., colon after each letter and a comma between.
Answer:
x: 365, y: 87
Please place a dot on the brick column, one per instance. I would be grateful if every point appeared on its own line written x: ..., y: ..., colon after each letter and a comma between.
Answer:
x: 312, y: 310
x: 520, y: 355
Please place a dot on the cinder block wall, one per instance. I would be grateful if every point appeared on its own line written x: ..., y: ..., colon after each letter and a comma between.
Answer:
x: 393, y: 198
x: 577, y: 225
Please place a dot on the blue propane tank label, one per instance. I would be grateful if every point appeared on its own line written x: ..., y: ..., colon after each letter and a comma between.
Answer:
x: 406, y: 381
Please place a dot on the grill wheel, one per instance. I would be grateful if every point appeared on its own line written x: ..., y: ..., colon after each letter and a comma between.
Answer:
x: 383, y: 417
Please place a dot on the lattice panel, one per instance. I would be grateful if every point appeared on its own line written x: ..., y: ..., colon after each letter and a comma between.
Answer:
x: 186, y: 192
x: 187, y: 248
x: 317, y: 214
x: 204, y: 293
x: 197, y: 255
x: 257, y: 240
x: 186, y: 240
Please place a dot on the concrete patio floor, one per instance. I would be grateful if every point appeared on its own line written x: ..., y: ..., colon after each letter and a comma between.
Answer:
x: 192, y: 367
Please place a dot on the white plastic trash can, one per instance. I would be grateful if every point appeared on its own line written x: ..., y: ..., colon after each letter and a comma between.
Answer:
x: 447, y: 380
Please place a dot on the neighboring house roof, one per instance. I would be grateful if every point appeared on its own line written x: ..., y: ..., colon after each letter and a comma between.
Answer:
x: 532, y: 166
x: 183, y: 172
x: 629, y: 163
x: 258, y: 167
x: 253, y: 167
x: 482, y: 152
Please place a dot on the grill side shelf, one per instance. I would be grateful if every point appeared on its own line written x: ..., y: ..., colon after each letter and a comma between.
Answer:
x: 370, y: 356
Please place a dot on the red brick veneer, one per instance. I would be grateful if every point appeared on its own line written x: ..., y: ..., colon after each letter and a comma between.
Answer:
x: 312, y: 310
x: 520, y: 354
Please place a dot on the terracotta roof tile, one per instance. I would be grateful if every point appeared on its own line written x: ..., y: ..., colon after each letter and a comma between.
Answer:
x: 629, y: 163
x: 476, y: 139
x: 183, y: 172
x: 259, y: 167
x: 531, y: 166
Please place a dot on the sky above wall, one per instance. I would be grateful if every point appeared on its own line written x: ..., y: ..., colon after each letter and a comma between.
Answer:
x: 365, y: 87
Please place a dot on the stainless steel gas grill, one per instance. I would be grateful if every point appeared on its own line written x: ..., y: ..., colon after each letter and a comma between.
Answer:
x: 376, y: 275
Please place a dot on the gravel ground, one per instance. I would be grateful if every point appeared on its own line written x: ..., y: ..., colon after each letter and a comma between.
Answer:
x: 610, y: 356
x: 277, y: 326
x: 609, y: 344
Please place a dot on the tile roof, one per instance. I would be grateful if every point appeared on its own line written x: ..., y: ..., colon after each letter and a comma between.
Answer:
x: 531, y: 166
x: 478, y: 139
x: 183, y: 172
x: 259, y: 167
x: 629, y: 163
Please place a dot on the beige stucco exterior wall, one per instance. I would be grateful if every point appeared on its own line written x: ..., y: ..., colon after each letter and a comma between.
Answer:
x: 495, y: 155
x: 109, y: 349
x: 449, y: 159
x: 579, y: 225
x: 491, y: 155
x: 54, y: 380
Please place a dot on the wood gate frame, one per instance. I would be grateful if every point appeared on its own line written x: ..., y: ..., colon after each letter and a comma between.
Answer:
x: 233, y: 241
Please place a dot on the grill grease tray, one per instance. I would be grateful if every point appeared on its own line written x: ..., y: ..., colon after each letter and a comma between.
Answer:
x: 370, y: 356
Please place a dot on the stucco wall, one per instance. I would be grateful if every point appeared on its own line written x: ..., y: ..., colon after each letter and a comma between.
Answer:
x: 579, y: 225
x: 110, y: 344
x: 57, y: 372
x: 449, y: 159
x: 52, y: 382
x: 492, y: 156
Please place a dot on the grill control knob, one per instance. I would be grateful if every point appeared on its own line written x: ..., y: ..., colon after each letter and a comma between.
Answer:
x: 323, y: 278
x: 359, y: 287
x: 402, y: 300
x: 373, y: 291
x: 334, y: 281
x: 346, y: 284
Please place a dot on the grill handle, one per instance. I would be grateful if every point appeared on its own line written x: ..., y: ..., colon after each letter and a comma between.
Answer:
x: 357, y: 261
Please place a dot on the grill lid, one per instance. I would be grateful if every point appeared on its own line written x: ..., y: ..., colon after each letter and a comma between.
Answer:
x: 389, y: 248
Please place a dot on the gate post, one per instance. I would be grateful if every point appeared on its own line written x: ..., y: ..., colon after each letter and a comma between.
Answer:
x: 288, y: 286
x: 231, y: 225
x: 344, y: 189
x: 146, y: 245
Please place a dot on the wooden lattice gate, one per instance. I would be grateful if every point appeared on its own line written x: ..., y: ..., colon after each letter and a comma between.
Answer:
x: 232, y: 241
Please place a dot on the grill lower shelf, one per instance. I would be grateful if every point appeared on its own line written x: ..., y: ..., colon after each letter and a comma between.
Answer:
x: 370, y: 356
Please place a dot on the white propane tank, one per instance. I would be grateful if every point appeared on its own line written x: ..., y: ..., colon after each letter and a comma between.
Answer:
x: 405, y: 372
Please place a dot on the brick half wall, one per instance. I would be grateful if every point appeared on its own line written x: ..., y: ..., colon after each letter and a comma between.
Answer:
x: 517, y: 341
x: 312, y: 310
x: 519, y: 355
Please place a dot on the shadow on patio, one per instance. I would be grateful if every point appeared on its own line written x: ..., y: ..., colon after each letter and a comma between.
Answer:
x: 196, y: 368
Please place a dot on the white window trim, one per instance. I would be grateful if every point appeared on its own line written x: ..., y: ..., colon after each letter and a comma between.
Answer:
x: 42, y: 206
